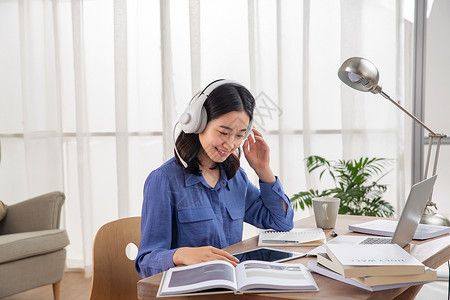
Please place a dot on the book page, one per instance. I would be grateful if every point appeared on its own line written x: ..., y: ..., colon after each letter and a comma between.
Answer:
x: 198, y: 277
x: 255, y: 275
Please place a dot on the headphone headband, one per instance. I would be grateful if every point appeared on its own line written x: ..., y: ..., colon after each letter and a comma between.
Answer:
x: 213, y: 85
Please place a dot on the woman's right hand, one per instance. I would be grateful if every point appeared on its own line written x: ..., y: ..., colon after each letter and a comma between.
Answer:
x: 195, y: 255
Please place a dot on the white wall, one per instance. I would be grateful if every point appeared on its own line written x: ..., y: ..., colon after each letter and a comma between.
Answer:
x: 437, y: 96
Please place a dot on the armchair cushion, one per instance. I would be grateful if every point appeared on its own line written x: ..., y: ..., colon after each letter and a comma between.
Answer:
x: 26, y: 244
x: 3, y: 210
x: 38, y: 213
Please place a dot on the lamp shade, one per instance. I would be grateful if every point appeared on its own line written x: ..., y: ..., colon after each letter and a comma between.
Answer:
x: 360, y: 74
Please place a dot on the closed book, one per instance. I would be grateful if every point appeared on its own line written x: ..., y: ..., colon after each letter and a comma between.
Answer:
x: 315, y: 267
x: 294, y: 237
x: 429, y: 274
x: 372, y: 260
x: 387, y: 228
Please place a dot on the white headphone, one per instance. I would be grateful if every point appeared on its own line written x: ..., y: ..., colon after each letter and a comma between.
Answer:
x: 194, y: 118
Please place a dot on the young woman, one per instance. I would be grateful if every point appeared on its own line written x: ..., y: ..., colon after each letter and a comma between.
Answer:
x: 196, y: 203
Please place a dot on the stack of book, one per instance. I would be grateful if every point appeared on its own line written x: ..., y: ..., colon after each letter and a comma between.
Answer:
x: 372, y: 267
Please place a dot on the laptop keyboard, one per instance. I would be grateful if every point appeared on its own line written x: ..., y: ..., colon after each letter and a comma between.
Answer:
x: 375, y: 240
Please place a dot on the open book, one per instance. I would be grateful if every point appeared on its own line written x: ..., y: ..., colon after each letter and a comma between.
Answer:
x: 222, y: 277
x: 295, y: 237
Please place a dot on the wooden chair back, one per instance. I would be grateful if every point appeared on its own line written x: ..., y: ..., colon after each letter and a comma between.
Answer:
x: 113, y: 274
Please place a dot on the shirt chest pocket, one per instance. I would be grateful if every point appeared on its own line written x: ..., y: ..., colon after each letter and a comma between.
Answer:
x: 196, y: 226
x: 195, y: 214
x: 236, y: 213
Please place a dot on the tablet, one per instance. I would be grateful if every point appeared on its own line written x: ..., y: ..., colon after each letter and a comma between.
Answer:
x: 268, y: 254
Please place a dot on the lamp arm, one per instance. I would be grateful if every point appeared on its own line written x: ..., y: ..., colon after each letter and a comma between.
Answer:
x: 432, y: 135
x: 408, y: 113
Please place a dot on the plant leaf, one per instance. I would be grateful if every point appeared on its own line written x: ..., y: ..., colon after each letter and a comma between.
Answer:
x: 356, y: 184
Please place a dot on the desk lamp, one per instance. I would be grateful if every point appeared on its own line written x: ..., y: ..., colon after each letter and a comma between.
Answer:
x: 362, y: 75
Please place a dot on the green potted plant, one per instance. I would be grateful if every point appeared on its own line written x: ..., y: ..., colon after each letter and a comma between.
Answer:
x: 356, y: 183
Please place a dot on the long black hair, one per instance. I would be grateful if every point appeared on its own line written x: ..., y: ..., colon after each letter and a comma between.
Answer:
x: 223, y: 99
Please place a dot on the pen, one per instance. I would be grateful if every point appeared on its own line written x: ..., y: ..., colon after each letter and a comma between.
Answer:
x: 280, y: 241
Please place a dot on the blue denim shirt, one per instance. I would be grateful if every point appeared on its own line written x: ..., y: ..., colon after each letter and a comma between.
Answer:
x: 182, y: 210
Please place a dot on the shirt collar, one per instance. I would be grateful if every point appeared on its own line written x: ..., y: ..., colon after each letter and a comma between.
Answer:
x: 191, y: 179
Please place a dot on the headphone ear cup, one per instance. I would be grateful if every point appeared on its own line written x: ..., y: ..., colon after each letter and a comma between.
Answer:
x: 193, y: 119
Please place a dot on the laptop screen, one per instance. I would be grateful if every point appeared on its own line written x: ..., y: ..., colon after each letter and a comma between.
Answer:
x: 413, y: 211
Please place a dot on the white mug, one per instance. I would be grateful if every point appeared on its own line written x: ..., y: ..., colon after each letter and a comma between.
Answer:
x: 326, y: 211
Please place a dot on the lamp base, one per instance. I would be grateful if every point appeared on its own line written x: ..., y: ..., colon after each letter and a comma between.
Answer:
x: 430, y: 217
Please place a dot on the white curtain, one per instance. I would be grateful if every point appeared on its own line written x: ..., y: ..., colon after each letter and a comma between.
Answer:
x: 90, y: 91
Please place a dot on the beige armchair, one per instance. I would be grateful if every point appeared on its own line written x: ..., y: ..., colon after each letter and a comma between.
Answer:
x: 32, y: 247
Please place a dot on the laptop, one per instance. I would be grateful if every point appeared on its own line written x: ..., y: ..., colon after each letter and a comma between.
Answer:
x: 406, y: 226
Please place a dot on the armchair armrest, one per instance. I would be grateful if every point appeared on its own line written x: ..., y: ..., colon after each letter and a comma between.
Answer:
x: 38, y: 213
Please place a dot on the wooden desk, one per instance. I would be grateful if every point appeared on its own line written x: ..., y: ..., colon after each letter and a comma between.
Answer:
x: 433, y: 253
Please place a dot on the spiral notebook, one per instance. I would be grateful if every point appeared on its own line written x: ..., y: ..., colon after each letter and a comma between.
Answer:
x: 295, y: 237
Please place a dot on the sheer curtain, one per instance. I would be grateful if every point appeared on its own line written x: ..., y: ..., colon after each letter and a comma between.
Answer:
x: 91, y: 89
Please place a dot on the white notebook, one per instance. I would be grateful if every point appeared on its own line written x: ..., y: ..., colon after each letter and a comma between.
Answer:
x: 295, y: 237
x: 387, y: 228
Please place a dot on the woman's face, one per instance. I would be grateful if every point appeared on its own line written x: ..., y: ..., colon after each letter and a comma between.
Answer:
x: 224, y: 135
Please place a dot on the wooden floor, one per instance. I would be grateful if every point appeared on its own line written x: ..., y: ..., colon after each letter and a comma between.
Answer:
x: 74, y: 286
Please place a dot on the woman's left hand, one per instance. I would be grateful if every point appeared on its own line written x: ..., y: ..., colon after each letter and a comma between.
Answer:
x: 257, y: 153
